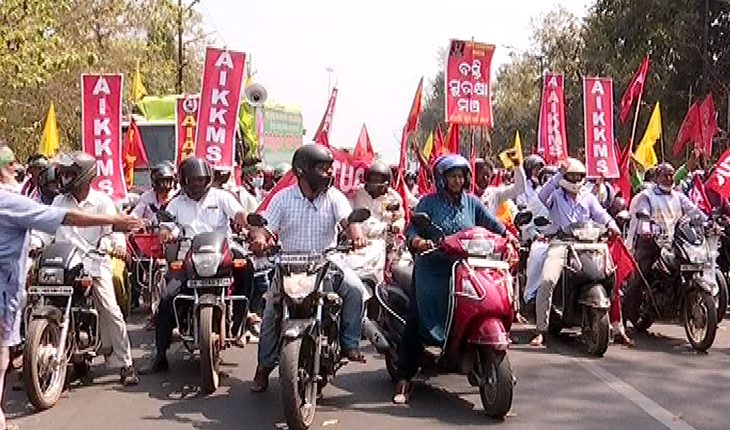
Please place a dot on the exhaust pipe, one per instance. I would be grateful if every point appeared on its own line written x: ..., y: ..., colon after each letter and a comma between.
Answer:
x: 372, y: 332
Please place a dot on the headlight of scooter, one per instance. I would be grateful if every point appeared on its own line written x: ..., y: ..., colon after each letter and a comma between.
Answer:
x: 299, y: 286
x: 696, y: 254
x: 206, y: 264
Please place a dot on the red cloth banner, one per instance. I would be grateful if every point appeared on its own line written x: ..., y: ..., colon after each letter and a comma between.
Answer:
x: 698, y: 195
x: 552, y: 140
x: 186, y: 126
x: 467, y: 83
x: 720, y: 178
x: 101, y: 131
x: 322, y: 135
x: 708, y: 124
x: 220, y: 98
x: 600, y: 150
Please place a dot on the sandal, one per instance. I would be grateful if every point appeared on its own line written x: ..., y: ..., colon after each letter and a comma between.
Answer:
x: 538, y: 340
x: 403, y: 392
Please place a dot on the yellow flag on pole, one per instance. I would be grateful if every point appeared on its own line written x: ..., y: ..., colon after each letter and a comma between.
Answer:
x: 517, y: 149
x: 428, y: 147
x: 645, y: 153
x: 138, y: 89
x: 50, y: 142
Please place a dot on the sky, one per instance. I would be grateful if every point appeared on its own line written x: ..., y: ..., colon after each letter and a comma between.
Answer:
x: 377, y: 49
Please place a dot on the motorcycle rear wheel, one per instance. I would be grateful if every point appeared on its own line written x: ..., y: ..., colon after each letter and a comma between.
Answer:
x: 298, y: 397
x: 637, y: 308
x: 44, y: 380
x: 498, y: 388
x: 699, y: 307
x: 209, y: 351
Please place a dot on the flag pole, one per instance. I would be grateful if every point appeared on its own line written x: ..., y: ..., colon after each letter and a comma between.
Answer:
x: 661, y: 134
x: 636, y: 120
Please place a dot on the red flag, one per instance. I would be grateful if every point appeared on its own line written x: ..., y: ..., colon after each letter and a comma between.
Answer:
x: 634, y: 90
x: 623, y: 183
x: 414, y: 115
x: 698, y: 195
x: 708, y: 124
x: 452, y: 139
x: 622, y: 260
x: 401, y: 188
x: 322, y: 136
x: 133, y: 152
x: 720, y: 178
x: 438, y: 144
x: 690, y: 130
x: 363, y: 148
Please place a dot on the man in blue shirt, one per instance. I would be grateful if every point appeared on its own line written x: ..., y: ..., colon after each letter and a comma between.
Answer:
x: 18, y: 215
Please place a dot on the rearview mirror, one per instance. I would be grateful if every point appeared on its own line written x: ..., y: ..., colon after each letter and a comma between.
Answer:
x: 541, y: 221
x: 642, y: 216
x: 523, y: 218
x: 256, y: 220
x: 165, y: 216
x: 421, y: 220
x: 359, y: 215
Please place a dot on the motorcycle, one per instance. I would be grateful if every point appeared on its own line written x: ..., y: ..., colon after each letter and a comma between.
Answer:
x: 62, y: 324
x: 148, y: 266
x: 479, y: 319
x: 582, y: 295
x: 683, y: 282
x: 310, y: 325
x: 204, y: 313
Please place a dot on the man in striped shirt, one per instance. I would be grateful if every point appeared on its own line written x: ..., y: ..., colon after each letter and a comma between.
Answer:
x: 306, y: 219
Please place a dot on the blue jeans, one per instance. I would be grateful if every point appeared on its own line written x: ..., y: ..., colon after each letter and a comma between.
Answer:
x: 350, y: 290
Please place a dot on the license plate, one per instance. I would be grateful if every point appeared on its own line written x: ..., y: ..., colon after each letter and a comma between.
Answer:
x: 39, y: 290
x: 206, y: 283
x: 691, y: 267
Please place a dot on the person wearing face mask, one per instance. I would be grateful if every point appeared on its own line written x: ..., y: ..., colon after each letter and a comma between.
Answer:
x: 377, y: 195
x: 162, y: 177
x: 567, y: 202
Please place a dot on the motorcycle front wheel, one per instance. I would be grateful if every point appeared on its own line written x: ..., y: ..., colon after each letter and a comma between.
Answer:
x: 699, y: 316
x: 43, y: 373
x: 595, y: 330
x: 298, y: 382
x: 497, y: 388
x: 209, y: 351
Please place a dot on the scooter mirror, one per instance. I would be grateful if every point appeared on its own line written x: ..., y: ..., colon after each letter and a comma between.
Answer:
x: 165, y: 216
x: 642, y: 216
x: 359, y: 215
x: 421, y: 220
x: 256, y: 220
x: 523, y: 218
x: 392, y: 207
x: 541, y: 221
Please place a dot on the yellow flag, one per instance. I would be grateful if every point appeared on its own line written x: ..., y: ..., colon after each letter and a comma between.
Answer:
x: 428, y: 147
x: 517, y: 148
x: 645, y: 153
x: 138, y: 89
x: 50, y: 142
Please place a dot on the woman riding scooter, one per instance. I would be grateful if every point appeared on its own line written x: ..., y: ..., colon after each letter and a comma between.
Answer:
x: 452, y: 209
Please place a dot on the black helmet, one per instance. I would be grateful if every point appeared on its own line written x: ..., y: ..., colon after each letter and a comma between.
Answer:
x: 160, y: 173
x: 195, y: 168
x: 221, y: 175
x: 76, y: 170
x: 533, y: 162
x: 37, y: 162
x: 304, y: 162
x: 378, y: 168
x: 47, y: 185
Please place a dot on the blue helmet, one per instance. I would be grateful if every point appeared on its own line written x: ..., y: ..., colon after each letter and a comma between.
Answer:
x: 450, y: 162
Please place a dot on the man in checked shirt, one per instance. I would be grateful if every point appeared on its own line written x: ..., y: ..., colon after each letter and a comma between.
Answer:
x: 306, y: 217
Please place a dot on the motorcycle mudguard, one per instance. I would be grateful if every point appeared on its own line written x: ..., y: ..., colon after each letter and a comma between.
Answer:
x: 47, y: 312
x: 490, y: 332
x: 210, y: 300
x: 594, y: 296
x: 296, y: 328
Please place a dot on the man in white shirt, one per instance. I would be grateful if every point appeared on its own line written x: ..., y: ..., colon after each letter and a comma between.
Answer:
x: 76, y: 171
x: 306, y: 218
x: 200, y: 208
x: 162, y: 178
x: 494, y: 196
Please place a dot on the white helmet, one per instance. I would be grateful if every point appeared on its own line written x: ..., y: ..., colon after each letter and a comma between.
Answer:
x: 575, y: 169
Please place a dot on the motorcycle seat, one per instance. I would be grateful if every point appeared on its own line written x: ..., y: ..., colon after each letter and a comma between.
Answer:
x: 402, y: 276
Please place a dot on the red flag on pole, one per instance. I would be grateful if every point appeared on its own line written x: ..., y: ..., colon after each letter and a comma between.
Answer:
x: 363, y: 148
x: 452, y: 139
x: 720, y: 178
x: 635, y: 88
x: 690, y: 130
x: 322, y: 136
x: 708, y: 124
x: 622, y: 260
x: 698, y: 195
x: 133, y: 152
x: 438, y: 144
x: 623, y: 183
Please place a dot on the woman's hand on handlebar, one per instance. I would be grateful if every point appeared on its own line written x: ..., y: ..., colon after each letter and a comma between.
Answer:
x: 421, y: 245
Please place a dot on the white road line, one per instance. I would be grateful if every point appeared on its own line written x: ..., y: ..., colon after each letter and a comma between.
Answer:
x: 670, y: 420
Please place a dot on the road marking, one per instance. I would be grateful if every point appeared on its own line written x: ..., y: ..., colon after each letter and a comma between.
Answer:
x: 670, y: 420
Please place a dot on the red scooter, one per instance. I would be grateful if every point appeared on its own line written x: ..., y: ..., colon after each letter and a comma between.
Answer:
x: 479, y: 318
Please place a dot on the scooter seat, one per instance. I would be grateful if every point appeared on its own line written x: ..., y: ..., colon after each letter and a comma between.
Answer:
x: 402, y: 276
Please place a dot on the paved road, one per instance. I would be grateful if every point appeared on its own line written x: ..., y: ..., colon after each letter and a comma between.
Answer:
x: 660, y: 385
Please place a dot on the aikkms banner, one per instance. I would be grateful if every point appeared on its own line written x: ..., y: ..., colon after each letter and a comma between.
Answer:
x: 101, y: 131
x: 467, y: 83
x: 600, y: 151
x: 720, y: 178
x: 552, y: 141
x: 220, y: 98
x: 186, y: 126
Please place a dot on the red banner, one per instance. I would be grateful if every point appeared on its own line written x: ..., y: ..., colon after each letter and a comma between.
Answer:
x: 600, y: 150
x: 101, y: 131
x: 322, y: 135
x: 186, y: 126
x: 467, y: 83
x: 552, y: 140
x: 720, y: 178
x: 220, y: 98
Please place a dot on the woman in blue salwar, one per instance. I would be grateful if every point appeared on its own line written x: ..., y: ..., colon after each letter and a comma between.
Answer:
x: 453, y: 209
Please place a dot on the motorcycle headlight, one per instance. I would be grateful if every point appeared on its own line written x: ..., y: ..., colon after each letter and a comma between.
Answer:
x: 50, y: 276
x: 206, y: 264
x: 299, y: 285
x: 696, y: 254
x: 479, y: 247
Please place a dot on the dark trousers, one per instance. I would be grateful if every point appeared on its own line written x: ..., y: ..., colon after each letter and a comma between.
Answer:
x: 410, y: 348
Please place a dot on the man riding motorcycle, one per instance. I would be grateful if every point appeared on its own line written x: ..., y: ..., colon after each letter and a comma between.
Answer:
x: 306, y: 218
x: 162, y: 177
x: 198, y: 209
x: 452, y: 208
x: 376, y: 195
x: 567, y: 203
x: 76, y: 172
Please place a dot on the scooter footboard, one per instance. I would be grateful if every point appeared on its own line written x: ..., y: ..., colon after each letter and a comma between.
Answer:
x: 491, y: 332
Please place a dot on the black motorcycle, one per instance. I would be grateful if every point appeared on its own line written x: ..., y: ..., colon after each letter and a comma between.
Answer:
x: 683, y: 283
x: 309, y: 310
